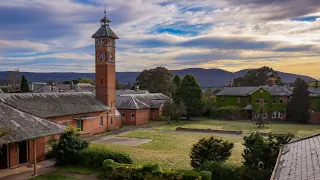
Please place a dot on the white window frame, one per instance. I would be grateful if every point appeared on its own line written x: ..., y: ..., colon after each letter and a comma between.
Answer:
x: 101, y: 121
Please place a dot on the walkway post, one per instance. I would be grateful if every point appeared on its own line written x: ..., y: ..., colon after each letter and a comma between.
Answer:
x: 34, y: 158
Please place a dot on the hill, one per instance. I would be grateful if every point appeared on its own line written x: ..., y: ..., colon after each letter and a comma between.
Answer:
x: 205, y: 77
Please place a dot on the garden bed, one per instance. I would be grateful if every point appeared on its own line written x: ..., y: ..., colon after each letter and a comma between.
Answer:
x: 208, y: 130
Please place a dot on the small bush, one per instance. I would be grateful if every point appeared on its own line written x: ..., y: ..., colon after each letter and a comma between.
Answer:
x: 119, y: 171
x: 227, y: 113
x: 222, y: 171
x: 94, y: 156
x: 69, y: 147
x: 206, y: 175
x: 53, y: 151
x: 210, y: 149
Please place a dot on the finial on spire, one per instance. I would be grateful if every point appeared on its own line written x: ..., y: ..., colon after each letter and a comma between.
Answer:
x: 105, y: 20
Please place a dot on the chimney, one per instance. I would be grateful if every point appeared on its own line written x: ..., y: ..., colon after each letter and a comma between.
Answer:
x: 52, y: 86
x: 231, y: 84
x: 136, y: 87
x: 71, y: 84
x: 271, y: 81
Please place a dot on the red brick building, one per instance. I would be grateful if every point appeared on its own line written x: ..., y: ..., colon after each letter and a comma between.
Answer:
x: 136, y: 109
x: 20, y: 130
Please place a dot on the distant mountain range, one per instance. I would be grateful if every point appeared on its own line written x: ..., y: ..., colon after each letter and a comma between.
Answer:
x: 205, y: 77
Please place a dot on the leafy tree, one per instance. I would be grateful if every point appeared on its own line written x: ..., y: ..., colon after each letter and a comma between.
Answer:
x: 24, y: 84
x: 158, y: 80
x: 209, y: 101
x: 261, y: 121
x: 83, y: 80
x: 168, y: 110
x: 177, y: 80
x: 256, y: 77
x: 210, y: 149
x: 69, y: 147
x: 190, y: 93
x: 180, y: 110
x: 261, y: 154
x: 298, y: 107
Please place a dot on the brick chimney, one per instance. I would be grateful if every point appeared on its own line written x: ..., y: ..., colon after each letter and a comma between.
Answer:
x: 71, y: 85
x: 271, y: 81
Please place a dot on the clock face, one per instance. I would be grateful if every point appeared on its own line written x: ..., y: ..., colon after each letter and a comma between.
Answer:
x: 111, y: 57
x: 101, y: 57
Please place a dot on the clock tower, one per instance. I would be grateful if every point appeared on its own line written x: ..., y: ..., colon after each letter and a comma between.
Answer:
x: 105, y: 59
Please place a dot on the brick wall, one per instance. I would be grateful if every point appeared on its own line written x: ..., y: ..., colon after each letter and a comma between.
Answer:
x: 141, y: 116
x: 13, y: 155
x: 315, y: 118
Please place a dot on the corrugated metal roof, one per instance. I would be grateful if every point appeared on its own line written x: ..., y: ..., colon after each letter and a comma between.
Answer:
x: 22, y: 126
x: 129, y: 91
x: 46, y: 105
x: 105, y: 31
x: 236, y: 91
x: 277, y: 90
x: 129, y: 102
x: 299, y: 160
x: 140, y: 101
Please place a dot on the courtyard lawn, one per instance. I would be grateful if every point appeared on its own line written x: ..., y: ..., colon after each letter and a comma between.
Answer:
x: 170, y: 149
x: 54, y: 176
x: 299, y: 130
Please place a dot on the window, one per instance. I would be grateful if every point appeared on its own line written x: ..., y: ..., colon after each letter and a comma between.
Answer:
x: 264, y: 101
x: 101, y: 82
x: 100, y: 42
x: 238, y: 100
x: 281, y: 100
x: 132, y: 115
x: 280, y: 115
x: 80, y: 125
x: 222, y: 99
x: 274, y: 100
x: 274, y: 114
x: 123, y: 116
x: 258, y: 100
x: 111, y: 121
x: 101, y: 121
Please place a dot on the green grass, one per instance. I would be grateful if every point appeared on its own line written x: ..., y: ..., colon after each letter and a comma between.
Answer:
x: 169, y: 149
x: 77, y: 170
x: 54, y: 176
x: 299, y: 130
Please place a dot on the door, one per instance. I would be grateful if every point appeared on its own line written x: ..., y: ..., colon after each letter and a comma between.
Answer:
x: 23, y: 152
x: 3, y: 156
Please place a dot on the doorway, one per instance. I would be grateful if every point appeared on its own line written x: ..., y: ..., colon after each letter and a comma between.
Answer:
x: 23, y: 153
x: 3, y: 156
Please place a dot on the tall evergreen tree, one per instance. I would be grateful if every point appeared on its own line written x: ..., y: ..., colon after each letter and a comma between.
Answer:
x: 24, y: 84
x: 177, y: 80
x: 298, y: 107
x: 190, y: 93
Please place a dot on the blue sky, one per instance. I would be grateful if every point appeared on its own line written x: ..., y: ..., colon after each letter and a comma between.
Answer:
x: 55, y: 36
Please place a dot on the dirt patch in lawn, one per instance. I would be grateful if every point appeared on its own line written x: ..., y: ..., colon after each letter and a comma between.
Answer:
x: 123, y: 141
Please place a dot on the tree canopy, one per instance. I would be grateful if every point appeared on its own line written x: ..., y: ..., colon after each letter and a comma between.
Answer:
x: 298, y: 107
x: 190, y: 93
x: 256, y: 77
x: 24, y: 84
x: 157, y: 80
x: 176, y: 80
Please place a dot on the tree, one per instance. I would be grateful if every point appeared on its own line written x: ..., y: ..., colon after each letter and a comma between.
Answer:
x: 69, y: 147
x: 13, y: 80
x: 83, y: 80
x: 24, y: 84
x: 210, y: 149
x: 261, y: 120
x: 180, y: 110
x: 257, y: 77
x: 167, y: 110
x: 158, y: 80
x: 190, y: 93
x: 298, y: 107
x: 177, y: 80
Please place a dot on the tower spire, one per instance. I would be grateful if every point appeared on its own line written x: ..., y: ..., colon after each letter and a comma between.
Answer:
x: 105, y: 20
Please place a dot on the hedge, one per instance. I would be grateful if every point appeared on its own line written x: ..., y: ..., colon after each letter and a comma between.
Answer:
x: 114, y: 170
x: 94, y: 156
x: 195, y: 175
x: 223, y: 171
x: 228, y: 113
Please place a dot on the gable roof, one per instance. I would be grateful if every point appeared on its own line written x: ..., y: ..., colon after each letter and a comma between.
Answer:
x: 140, y: 101
x: 276, y: 90
x: 46, y: 105
x: 22, y: 126
x: 236, y: 91
x: 299, y: 159
x: 129, y: 91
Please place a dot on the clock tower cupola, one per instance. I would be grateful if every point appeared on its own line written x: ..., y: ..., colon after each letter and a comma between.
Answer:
x: 105, y: 62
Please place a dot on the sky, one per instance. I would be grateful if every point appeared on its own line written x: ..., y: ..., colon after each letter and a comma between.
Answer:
x: 55, y: 35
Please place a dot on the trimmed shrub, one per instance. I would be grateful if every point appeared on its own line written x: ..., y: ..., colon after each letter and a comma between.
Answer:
x: 227, y: 113
x: 206, y: 175
x: 210, y: 149
x: 119, y: 171
x: 190, y: 175
x: 222, y: 171
x: 94, y: 156
x: 69, y: 147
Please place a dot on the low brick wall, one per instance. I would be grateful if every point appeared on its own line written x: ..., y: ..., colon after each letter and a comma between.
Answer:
x: 315, y: 118
x: 208, y: 130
